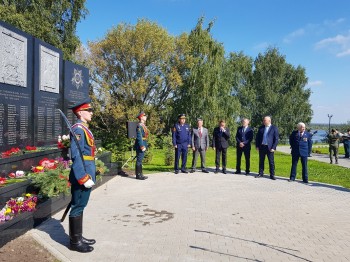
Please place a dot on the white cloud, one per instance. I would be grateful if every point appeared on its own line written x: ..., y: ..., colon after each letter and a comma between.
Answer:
x: 314, y: 29
x: 262, y: 46
x: 315, y: 83
x: 339, y: 45
x: 297, y: 33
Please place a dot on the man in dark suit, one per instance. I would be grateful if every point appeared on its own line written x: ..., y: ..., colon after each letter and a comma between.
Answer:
x: 266, y: 142
x: 200, y: 145
x: 221, y: 135
x: 244, y: 137
x: 300, y: 141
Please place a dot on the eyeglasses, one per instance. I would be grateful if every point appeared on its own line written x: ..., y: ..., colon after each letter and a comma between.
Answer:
x: 88, y: 110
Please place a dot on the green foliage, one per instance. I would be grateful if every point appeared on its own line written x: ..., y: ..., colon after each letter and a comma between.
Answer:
x: 52, y: 182
x: 205, y: 91
x: 169, y: 153
x: 277, y: 89
x: 51, y: 21
x: 101, y: 168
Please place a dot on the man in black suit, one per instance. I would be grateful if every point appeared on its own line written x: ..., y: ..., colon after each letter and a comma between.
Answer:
x: 221, y: 135
x: 266, y: 142
x: 244, y: 137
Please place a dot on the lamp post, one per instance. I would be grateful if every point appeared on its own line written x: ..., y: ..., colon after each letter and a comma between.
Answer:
x: 329, y: 123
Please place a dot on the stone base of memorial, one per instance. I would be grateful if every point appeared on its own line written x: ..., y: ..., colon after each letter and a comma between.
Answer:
x: 44, y: 210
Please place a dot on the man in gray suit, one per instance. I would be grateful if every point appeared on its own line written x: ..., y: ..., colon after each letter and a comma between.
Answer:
x: 200, y: 144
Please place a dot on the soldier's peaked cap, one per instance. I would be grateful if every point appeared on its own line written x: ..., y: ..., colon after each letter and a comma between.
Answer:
x: 181, y: 116
x: 141, y: 114
x: 82, y: 105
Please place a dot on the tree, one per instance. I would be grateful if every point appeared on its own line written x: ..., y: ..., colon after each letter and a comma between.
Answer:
x: 133, y: 68
x: 51, y: 21
x: 206, y: 91
x: 278, y: 90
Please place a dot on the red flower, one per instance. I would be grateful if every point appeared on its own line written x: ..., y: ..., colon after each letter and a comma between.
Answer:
x: 30, y: 148
x: 2, y: 180
x: 12, y: 175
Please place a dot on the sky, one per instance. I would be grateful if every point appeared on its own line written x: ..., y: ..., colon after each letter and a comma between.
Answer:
x: 314, y: 34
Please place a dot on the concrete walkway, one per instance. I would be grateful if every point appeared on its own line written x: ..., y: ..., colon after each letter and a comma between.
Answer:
x: 209, y: 217
x: 345, y: 162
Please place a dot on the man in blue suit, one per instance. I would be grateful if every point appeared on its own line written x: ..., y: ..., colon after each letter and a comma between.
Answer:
x: 300, y: 141
x: 244, y: 137
x: 181, y: 142
x: 266, y: 142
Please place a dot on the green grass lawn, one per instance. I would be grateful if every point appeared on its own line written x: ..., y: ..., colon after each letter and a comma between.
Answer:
x: 318, y: 171
x: 325, y: 150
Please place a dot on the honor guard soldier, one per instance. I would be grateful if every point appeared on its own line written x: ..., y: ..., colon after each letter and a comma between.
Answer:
x: 181, y: 142
x: 141, y: 144
x: 82, y: 175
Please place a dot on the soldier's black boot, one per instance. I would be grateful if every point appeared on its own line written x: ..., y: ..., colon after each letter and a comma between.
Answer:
x: 75, y: 235
x: 139, y: 175
x: 83, y: 239
x: 145, y: 177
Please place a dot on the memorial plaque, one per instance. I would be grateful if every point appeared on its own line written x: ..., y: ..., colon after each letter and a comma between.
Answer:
x: 16, y: 69
x: 13, y: 58
x: 76, y: 87
x: 48, y: 95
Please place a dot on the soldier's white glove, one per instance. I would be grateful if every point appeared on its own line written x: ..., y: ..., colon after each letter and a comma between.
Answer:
x: 89, y: 183
x: 143, y: 149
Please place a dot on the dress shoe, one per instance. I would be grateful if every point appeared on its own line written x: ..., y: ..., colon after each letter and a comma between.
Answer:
x: 290, y: 180
x: 237, y: 172
x: 224, y: 171
x: 205, y: 171
x: 258, y: 175
x: 272, y: 177
x: 216, y: 171
x: 141, y: 177
x: 247, y: 173
x: 305, y: 181
x: 193, y: 170
x: 176, y: 171
x: 88, y: 241
x: 184, y: 171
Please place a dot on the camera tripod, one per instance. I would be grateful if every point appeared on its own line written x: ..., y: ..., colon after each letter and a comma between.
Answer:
x: 131, y: 158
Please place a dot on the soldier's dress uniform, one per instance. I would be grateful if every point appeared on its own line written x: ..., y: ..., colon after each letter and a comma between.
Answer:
x: 80, y: 173
x: 181, y: 137
x: 300, y: 143
x: 140, y: 146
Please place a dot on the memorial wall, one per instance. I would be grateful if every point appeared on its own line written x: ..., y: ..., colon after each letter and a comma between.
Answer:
x: 35, y: 81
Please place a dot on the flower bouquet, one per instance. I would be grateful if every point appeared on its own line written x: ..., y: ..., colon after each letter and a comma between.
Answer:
x: 12, y: 152
x: 63, y: 141
x: 13, y: 177
x: 50, y: 177
x: 15, y: 206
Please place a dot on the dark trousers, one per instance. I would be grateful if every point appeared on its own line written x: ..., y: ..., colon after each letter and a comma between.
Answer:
x: 263, y: 152
x: 246, y: 151
x: 181, y: 150
x: 293, y: 171
x: 347, y: 148
x: 220, y: 151
x: 197, y: 152
x: 80, y: 198
x: 139, y: 157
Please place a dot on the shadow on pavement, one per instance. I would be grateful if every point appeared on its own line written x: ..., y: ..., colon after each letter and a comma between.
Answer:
x: 277, y: 248
x: 220, y: 253
x: 55, y: 230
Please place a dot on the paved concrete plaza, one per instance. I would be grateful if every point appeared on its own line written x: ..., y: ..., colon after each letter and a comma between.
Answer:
x: 209, y: 217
